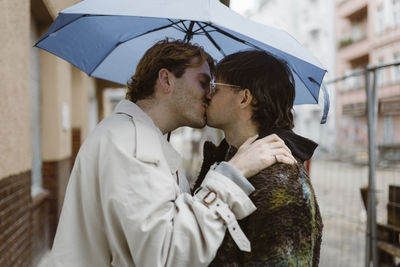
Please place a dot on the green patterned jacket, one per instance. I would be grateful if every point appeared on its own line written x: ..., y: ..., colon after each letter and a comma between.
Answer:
x: 286, y: 228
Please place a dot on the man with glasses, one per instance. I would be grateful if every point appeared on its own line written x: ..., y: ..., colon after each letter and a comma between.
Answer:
x: 127, y: 204
x: 254, y: 94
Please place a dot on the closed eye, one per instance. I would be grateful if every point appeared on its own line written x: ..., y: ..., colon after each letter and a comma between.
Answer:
x: 205, y: 85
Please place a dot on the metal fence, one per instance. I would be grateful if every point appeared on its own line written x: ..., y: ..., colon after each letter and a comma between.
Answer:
x: 361, y: 163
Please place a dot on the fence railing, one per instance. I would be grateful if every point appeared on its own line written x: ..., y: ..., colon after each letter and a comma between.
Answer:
x: 371, y: 85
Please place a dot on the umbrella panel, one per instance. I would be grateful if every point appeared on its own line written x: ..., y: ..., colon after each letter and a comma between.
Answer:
x: 108, y: 41
x: 89, y: 39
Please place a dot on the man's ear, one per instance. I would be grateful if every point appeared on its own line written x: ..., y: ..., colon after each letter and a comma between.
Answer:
x: 246, y: 98
x: 164, y: 78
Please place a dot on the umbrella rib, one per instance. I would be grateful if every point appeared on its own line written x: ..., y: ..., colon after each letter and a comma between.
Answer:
x: 211, y: 39
x: 179, y: 27
x: 311, y: 80
x: 189, y: 33
x: 150, y: 31
x: 199, y: 29
x: 182, y: 21
x: 233, y: 37
x: 119, y: 43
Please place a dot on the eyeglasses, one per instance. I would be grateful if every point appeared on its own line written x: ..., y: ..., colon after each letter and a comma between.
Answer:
x: 213, y: 86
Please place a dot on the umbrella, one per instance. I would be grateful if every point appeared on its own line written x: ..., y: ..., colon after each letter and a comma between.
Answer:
x: 106, y: 39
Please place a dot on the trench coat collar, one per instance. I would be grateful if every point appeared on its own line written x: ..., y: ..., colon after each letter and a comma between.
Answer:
x: 146, y: 136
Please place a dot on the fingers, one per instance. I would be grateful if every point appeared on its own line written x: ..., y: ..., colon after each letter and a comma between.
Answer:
x: 250, y: 140
x: 271, y: 138
x: 272, y: 142
x: 279, y: 144
x: 255, y: 155
x: 283, y: 156
x: 285, y: 159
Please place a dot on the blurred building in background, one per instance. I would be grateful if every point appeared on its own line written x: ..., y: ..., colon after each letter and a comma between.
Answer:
x: 368, y: 33
x: 311, y: 22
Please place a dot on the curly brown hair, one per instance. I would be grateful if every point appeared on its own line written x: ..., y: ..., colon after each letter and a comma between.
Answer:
x: 175, y: 56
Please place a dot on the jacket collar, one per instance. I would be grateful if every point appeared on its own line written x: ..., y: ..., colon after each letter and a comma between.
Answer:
x: 300, y: 147
x: 149, y: 137
x: 132, y: 110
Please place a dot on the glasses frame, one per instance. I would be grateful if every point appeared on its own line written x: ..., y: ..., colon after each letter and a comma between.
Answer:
x: 213, y: 86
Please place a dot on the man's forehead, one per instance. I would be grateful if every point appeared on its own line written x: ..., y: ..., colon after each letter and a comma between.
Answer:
x: 200, y: 70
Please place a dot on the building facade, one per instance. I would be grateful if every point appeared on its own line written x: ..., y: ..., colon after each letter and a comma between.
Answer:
x: 311, y: 22
x: 368, y: 33
x: 47, y: 109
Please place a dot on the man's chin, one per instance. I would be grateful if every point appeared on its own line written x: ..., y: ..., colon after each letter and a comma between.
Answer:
x: 199, y: 123
x: 209, y: 122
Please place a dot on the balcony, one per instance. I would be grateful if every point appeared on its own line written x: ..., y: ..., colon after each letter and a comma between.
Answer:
x: 353, y: 83
x: 350, y: 50
x: 352, y: 9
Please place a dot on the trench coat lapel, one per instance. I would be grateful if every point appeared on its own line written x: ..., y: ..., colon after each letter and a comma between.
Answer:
x: 147, y: 134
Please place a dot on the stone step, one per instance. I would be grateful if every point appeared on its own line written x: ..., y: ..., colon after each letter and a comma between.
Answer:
x: 388, y: 233
x: 394, y: 194
x: 393, y: 211
x: 389, y: 248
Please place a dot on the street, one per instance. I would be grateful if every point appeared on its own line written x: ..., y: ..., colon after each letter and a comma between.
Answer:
x: 337, y: 186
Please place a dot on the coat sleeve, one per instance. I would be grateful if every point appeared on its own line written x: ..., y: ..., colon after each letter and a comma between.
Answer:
x: 150, y: 223
x: 283, y: 229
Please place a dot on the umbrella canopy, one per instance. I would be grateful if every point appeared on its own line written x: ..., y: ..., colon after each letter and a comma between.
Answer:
x: 106, y: 39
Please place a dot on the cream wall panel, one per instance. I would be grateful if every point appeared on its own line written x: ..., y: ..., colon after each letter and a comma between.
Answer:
x: 15, y: 136
x: 56, y: 93
x: 81, y: 84
x: 55, y: 6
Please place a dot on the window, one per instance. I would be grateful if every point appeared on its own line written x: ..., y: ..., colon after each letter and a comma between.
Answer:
x: 381, y: 73
x: 396, y: 13
x: 357, y: 32
x: 380, y: 20
x: 388, y: 136
x: 353, y: 82
x: 396, y: 69
x: 348, y: 83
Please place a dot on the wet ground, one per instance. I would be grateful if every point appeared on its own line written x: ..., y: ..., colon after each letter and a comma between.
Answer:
x: 337, y: 185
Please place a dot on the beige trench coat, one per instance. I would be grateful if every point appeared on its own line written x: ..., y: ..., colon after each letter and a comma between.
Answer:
x: 124, y: 206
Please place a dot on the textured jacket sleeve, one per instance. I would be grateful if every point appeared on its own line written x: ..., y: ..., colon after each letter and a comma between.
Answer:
x: 151, y: 223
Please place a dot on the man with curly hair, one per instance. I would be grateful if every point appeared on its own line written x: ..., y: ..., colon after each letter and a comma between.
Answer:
x: 127, y: 204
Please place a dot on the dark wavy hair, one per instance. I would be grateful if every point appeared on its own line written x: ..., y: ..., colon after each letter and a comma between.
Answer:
x: 270, y: 81
x: 175, y: 56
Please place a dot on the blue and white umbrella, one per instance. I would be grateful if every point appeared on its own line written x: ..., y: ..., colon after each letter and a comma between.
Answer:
x: 106, y: 39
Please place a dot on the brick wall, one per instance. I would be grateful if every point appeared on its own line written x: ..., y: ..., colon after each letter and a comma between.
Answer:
x: 55, y: 179
x: 76, y: 143
x: 28, y: 226
x: 15, y: 220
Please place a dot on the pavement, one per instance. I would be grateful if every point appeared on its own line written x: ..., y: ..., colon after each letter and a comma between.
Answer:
x: 337, y: 186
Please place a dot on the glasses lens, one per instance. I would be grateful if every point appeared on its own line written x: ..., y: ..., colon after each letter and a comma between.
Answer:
x: 212, y: 87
